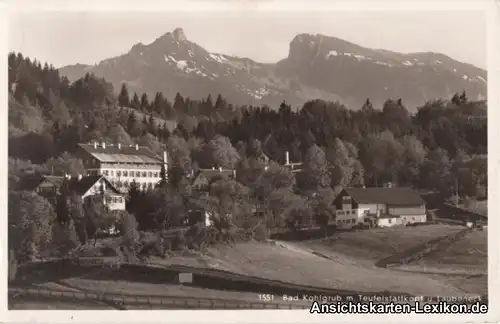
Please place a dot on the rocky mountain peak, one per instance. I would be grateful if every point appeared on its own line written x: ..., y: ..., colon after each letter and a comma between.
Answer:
x: 179, y: 35
x: 317, y: 67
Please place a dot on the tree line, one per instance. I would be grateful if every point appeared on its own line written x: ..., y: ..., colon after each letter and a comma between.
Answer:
x: 442, y: 147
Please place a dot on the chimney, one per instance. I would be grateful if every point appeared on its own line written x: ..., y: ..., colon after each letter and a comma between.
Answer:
x: 103, y: 185
x: 137, y: 147
x: 103, y: 144
x: 234, y: 173
x: 220, y: 169
x: 95, y: 145
x: 79, y: 177
x: 287, y: 158
x: 165, y: 157
x: 119, y: 146
x: 378, y: 213
x: 213, y: 168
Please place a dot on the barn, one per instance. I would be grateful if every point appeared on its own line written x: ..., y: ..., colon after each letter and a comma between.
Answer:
x: 382, y: 206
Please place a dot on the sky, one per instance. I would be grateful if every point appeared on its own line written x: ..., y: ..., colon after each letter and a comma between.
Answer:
x: 69, y: 37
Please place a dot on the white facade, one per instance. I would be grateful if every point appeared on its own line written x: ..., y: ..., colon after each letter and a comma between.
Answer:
x: 123, y: 165
x: 410, y: 219
x: 122, y: 175
x: 388, y: 221
x: 347, y: 218
x: 99, y: 192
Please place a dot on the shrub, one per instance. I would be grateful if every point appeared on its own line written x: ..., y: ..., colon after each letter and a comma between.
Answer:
x: 130, y: 236
x: 30, y: 230
x: 64, y: 239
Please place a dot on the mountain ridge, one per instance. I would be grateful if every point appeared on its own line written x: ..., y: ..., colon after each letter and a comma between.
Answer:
x: 317, y: 67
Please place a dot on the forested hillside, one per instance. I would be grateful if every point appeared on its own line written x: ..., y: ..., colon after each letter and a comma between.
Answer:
x: 443, y: 144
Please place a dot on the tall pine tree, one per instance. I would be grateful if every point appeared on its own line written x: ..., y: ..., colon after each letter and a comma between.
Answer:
x: 123, y: 97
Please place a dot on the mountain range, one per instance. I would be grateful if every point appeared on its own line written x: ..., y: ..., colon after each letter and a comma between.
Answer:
x: 317, y: 67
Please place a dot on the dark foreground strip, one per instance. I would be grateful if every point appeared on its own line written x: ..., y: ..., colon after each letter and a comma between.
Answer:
x: 152, y: 301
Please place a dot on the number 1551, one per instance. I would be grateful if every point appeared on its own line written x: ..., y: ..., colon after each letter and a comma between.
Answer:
x: 266, y: 297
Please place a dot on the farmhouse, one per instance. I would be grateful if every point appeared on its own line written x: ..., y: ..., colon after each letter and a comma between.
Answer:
x: 379, y: 206
x: 122, y: 165
x: 96, y: 188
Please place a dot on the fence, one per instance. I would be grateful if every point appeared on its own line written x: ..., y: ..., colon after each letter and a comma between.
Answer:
x: 151, y: 301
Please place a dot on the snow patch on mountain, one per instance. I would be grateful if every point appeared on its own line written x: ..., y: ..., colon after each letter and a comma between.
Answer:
x: 181, y: 64
x: 481, y: 78
x: 361, y: 57
x: 439, y: 62
x: 217, y: 57
x: 383, y: 63
x: 407, y: 63
x: 465, y: 77
x: 331, y: 53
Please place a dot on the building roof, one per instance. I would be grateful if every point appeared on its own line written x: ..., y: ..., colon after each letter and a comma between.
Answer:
x: 124, y: 154
x: 212, y: 173
x: 56, y: 180
x: 399, y: 196
x: 80, y: 187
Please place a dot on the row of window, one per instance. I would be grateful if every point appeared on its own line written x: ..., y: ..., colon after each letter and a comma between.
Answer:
x: 109, y: 200
x: 132, y: 174
x: 114, y: 200
x: 127, y: 184
x: 346, y: 221
x: 346, y: 212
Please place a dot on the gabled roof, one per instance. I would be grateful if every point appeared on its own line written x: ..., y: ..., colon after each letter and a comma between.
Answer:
x: 80, y: 187
x: 399, y: 196
x: 33, y: 183
x: 125, y: 154
x: 56, y: 180
x: 30, y: 182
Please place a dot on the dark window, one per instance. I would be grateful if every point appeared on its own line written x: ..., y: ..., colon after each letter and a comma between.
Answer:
x: 137, y: 174
x: 150, y: 174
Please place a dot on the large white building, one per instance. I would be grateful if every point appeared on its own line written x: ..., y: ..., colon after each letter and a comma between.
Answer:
x: 122, y: 165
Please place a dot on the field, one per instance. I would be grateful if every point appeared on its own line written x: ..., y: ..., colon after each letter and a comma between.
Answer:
x: 344, y: 262
x: 469, y: 254
x: 369, y: 246
x: 290, y: 263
